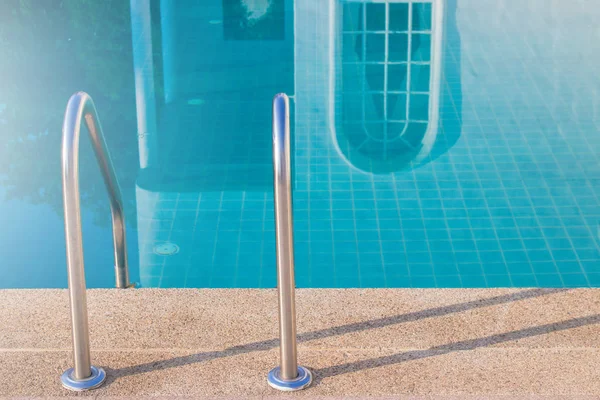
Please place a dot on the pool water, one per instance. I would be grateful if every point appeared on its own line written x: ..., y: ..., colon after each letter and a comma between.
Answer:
x: 442, y: 143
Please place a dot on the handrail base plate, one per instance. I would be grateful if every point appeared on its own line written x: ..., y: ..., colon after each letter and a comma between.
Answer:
x: 79, y: 385
x: 303, y: 380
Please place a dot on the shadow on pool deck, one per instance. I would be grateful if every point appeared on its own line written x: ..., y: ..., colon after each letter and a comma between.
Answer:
x: 470, y: 344
x: 457, y: 346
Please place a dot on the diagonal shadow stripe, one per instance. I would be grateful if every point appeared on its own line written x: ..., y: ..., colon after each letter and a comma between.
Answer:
x: 429, y: 313
x: 470, y: 344
x: 329, y: 332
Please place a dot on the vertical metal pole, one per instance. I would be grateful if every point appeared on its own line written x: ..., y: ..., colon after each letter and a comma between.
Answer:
x: 288, y: 376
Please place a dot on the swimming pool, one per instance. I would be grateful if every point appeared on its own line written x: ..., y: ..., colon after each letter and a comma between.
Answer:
x: 445, y: 143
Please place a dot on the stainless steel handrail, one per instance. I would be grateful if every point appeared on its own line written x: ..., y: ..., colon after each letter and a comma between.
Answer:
x: 84, y: 376
x: 289, y: 376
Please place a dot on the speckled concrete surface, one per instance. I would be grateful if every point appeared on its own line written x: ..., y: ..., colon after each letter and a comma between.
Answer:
x: 404, y: 343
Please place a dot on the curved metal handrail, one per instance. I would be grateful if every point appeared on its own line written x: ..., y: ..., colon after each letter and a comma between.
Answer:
x: 81, y: 107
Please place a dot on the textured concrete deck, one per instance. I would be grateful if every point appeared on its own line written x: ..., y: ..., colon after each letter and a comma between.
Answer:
x: 434, y: 343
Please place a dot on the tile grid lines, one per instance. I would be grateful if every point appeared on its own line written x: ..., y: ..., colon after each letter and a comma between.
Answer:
x: 580, y: 211
x: 535, y: 215
x: 215, y: 247
x: 462, y: 202
x: 557, y: 163
x: 383, y: 264
x: 261, y: 271
x: 164, y: 260
x: 547, y: 187
x: 403, y: 239
x: 568, y: 237
x: 439, y: 194
x: 190, y: 266
x: 451, y: 98
x: 331, y: 206
x: 504, y: 135
x: 309, y: 131
x: 487, y: 203
x: 502, y: 142
x: 352, y: 198
x: 236, y: 271
x: 411, y: 8
x: 425, y: 234
x: 591, y: 189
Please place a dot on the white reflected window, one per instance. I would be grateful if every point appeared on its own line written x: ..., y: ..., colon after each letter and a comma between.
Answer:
x: 387, y: 82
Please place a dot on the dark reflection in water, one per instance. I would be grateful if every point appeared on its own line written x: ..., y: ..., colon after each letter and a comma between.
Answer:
x: 51, y: 49
x: 57, y: 48
x: 261, y: 20
x: 221, y: 63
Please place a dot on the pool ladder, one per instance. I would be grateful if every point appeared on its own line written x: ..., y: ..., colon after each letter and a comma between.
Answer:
x: 288, y: 376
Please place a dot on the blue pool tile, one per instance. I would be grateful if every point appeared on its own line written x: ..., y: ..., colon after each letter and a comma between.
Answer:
x: 398, y: 281
x: 389, y: 235
x: 491, y: 257
x: 344, y: 236
x: 269, y: 280
x: 445, y: 269
x: 449, y: 281
x: 519, y: 268
x: 539, y: 255
x: 420, y: 268
x: 473, y: 281
x: 417, y: 257
x: 554, y: 232
x: 481, y: 223
x: 467, y: 245
x: 349, y: 259
x: 389, y: 258
x: 372, y: 281
x: 175, y: 281
x: 320, y: 282
x: 415, y: 234
x: 563, y: 255
x: 422, y: 281
x: 534, y: 243
x: 591, y: 266
x: 150, y: 280
x: 516, y: 257
x: 574, y: 280
x: 594, y: 279
x: 567, y: 267
x: 252, y: 281
x: 511, y: 243
x: 524, y: 280
x: 544, y: 267
x: 585, y: 242
x: 473, y: 268
x: 501, y: 281
x: 345, y: 281
x: 495, y: 268
x: 442, y: 246
x: 484, y: 234
x: 549, y: 280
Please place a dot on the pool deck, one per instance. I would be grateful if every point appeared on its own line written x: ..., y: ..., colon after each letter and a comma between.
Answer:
x: 386, y: 343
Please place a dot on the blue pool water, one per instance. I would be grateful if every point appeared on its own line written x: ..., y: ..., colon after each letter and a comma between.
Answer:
x: 445, y: 143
